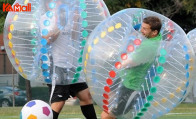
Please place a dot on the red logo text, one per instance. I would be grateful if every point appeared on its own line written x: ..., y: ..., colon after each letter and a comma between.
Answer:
x: 16, y: 8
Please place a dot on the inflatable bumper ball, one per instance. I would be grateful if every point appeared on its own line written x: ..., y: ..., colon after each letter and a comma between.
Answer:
x: 47, y: 42
x: 131, y: 76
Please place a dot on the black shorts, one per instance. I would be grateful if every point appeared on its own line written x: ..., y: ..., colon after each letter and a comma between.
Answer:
x: 63, y: 92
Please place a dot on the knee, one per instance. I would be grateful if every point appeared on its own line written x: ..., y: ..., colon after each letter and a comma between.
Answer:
x: 85, y: 98
x: 57, y: 106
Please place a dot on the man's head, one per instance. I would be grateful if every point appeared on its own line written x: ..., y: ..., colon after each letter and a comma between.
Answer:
x: 151, y: 26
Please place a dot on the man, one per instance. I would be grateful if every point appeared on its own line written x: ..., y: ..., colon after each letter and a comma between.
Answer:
x: 138, y: 65
x: 62, y: 34
x: 63, y: 92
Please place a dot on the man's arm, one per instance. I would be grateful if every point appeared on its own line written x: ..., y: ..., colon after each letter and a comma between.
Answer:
x: 52, y: 36
x: 74, y: 33
x: 128, y: 63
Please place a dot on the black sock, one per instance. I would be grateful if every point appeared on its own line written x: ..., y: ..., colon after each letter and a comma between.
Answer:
x: 89, y: 111
x: 55, y: 114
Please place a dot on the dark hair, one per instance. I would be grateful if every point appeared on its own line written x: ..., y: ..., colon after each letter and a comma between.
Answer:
x: 154, y: 22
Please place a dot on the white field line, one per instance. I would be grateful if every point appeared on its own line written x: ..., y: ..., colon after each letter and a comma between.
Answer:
x: 179, y: 113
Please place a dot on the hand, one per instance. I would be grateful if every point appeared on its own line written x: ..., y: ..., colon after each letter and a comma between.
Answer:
x: 52, y: 35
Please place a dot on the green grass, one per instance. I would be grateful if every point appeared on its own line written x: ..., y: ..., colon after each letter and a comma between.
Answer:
x: 183, y: 111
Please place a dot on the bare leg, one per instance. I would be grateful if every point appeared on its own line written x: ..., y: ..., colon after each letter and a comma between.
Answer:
x: 86, y: 104
x: 85, y: 97
x: 57, y: 106
x: 105, y: 115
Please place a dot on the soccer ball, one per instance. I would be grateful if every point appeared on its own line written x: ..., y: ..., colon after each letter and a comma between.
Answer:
x: 36, y: 109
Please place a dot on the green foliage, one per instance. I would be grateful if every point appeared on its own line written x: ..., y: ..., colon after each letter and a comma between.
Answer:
x: 189, y: 6
x: 2, y: 20
x: 117, y: 5
x: 171, y: 8
x: 3, y: 14
x: 176, y: 10
x: 1, y: 6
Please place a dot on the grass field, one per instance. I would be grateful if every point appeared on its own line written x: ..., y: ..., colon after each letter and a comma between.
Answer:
x: 183, y: 111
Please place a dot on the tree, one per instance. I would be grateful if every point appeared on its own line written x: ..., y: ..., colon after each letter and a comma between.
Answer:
x: 21, y: 83
x: 25, y: 84
x: 28, y: 90
x: 3, y: 14
x: 117, y: 5
x: 167, y: 8
x: 176, y: 10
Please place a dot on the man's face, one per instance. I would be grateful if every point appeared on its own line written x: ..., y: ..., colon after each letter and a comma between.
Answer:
x: 146, y: 30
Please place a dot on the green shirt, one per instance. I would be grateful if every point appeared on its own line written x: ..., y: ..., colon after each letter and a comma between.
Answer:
x: 142, y: 58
